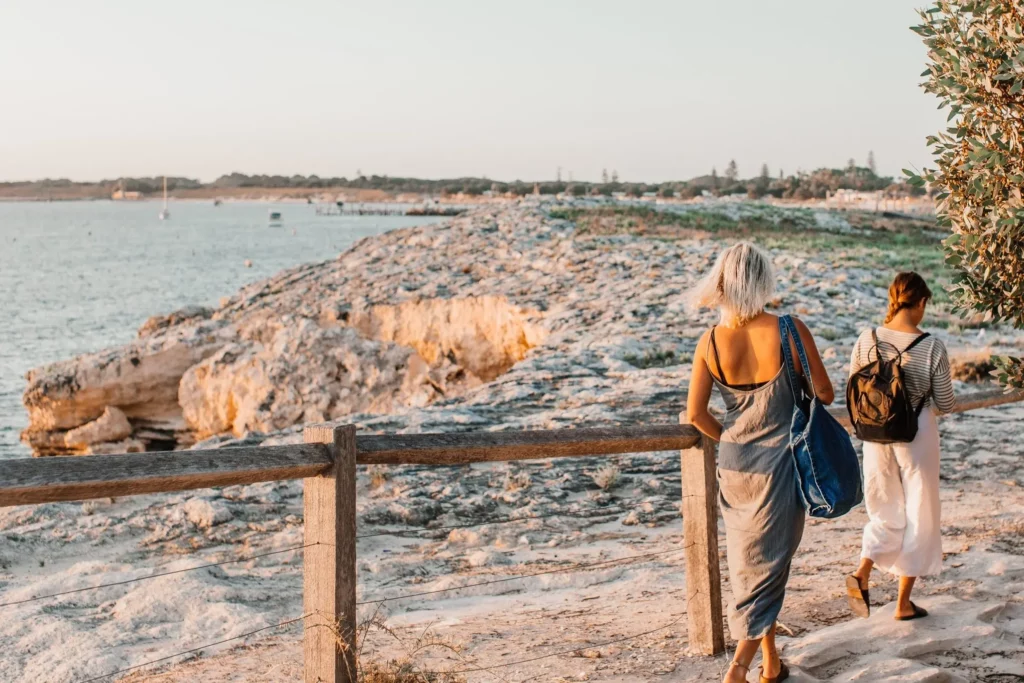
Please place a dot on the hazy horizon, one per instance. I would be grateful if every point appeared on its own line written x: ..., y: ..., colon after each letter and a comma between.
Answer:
x: 656, y: 91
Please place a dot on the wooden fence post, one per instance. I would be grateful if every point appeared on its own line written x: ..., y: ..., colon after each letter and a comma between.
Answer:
x: 329, y: 573
x: 700, y: 536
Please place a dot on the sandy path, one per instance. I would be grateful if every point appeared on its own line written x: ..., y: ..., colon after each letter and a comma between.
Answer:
x: 976, y: 630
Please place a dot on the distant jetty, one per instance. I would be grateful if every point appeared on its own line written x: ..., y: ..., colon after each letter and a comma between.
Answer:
x: 341, y: 210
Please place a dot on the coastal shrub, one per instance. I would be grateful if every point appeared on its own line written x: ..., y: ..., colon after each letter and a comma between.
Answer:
x: 517, y: 482
x: 976, y: 69
x: 654, y: 359
x: 829, y: 333
x: 976, y: 367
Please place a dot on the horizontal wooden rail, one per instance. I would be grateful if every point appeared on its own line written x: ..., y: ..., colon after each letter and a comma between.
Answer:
x: 53, y: 479
x: 28, y: 481
x: 469, y: 447
x: 987, y: 399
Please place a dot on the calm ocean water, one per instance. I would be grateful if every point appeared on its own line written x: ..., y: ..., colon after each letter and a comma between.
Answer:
x: 81, y: 276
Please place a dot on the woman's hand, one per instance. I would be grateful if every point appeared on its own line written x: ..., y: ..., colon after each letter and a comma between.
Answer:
x: 819, y: 376
x: 699, y: 393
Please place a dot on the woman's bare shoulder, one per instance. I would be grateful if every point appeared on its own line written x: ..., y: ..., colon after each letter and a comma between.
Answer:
x: 702, y: 343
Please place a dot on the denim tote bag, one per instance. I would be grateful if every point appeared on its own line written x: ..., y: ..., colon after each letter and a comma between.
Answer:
x: 826, y: 461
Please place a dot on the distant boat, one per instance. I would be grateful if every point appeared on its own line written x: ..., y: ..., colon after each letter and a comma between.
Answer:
x: 165, y: 213
x: 216, y: 202
x: 275, y: 218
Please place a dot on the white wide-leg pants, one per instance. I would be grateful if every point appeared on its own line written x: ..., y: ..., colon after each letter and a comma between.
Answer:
x: 901, y: 493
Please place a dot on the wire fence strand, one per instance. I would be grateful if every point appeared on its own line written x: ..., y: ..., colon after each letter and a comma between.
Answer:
x: 629, y: 559
x: 154, y: 576
x: 588, y: 514
x: 195, y: 649
x: 560, y: 653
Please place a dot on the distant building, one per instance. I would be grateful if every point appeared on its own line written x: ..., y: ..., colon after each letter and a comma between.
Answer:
x: 120, y: 193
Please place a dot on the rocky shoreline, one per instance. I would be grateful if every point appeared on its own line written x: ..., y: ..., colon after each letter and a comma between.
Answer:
x: 505, y: 317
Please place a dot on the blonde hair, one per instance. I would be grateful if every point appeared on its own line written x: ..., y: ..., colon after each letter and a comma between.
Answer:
x: 906, y: 291
x: 741, y: 282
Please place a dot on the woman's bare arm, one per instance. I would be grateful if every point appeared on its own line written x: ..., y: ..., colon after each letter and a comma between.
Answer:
x: 699, y: 393
x: 819, y: 375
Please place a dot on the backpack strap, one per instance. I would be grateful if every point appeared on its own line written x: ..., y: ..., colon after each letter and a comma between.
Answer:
x: 912, y: 345
x: 924, y: 399
x: 920, y: 406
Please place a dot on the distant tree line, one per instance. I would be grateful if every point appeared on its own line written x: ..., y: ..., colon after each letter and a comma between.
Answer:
x: 814, y: 185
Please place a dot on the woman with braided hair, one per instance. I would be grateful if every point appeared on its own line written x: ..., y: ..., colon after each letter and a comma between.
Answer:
x: 901, y: 480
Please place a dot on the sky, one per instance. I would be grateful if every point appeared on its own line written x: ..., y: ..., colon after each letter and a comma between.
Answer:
x: 656, y: 90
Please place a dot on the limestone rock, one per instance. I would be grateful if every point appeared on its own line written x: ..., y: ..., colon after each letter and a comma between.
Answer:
x: 112, y: 425
x: 160, y: 323
x: 116, y: 447
x: 485, y: 335
x: 205, y: 513
x: 140, y: 379
x: 304, y: 373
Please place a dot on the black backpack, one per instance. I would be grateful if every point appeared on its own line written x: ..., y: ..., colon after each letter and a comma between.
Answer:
x: 878, y: 400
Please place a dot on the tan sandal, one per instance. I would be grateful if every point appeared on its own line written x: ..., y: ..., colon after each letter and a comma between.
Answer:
x: 858, y: 598
x: 783, y: 674
x: 916, y: 614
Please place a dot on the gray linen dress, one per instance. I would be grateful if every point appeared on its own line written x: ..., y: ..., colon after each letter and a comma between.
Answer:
x: 760, y: 501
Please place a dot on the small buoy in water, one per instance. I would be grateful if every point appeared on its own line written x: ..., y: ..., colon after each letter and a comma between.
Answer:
x: 248, y: 263
x: 294, y: 231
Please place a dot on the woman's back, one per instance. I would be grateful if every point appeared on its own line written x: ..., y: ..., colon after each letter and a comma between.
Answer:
x: 749, y: 355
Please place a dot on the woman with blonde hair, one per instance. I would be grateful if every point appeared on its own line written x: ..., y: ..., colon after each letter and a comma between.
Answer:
x: 901, y: 479
x: 759, y: 494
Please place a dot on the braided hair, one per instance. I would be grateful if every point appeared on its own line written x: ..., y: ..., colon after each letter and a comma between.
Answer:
x: 906, y: 291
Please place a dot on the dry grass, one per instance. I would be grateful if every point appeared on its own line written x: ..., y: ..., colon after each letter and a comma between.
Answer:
x: 972, y: 367
x: 403, y: 668
x: 379, y: 475
x: 402, y: 671
x: 607, y: 477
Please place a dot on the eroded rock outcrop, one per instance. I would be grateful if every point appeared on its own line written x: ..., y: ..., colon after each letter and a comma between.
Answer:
x: 140, y: 380
x: 484, y: 335
x: 300, y: 347
x: 304, y: 373
x: 112, y: 425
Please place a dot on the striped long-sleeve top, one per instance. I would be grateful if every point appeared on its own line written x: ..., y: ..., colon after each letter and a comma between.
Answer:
x: 925, y: 367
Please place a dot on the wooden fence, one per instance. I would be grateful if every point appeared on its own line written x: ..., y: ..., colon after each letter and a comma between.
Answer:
x: 326, y: 463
